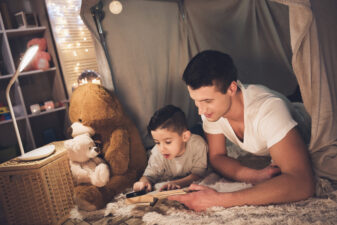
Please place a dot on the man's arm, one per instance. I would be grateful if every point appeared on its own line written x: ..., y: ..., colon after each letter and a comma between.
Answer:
x: 231, y: 168
x: 295, y: 183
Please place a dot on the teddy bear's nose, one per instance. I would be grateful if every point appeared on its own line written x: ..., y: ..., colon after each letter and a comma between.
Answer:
x: 80, y: 120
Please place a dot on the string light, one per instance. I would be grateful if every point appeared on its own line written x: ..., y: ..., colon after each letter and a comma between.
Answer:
x: 73, y: 40
x: 89, y: 76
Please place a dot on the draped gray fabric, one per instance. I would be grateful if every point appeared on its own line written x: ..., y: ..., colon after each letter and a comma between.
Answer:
x: 151, y: 42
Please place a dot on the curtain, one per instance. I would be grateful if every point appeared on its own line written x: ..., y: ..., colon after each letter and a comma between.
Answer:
x: 272, y: 43
x: 317, y: 85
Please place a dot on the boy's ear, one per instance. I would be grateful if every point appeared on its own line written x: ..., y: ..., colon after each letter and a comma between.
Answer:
x: 186, y: 135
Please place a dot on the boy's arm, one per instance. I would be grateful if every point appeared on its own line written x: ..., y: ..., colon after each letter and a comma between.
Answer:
x: 143, y: 183
x: 144, y: 180
x: 185, y: 181
x: 295, y: 183
x: 180, y: 183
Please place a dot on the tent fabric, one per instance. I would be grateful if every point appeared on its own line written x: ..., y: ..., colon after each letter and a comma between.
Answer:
x: 151, y: 42
x: 149, y: 52
x: 317, y: 87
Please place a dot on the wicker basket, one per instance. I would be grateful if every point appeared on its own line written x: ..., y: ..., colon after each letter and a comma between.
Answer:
x: 37, y: 192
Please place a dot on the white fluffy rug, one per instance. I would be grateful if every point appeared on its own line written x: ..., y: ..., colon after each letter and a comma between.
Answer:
x: 315, y: 210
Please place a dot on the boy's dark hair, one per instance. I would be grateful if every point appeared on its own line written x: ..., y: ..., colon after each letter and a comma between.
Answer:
x: 209, y: 68
x: 169, y: 117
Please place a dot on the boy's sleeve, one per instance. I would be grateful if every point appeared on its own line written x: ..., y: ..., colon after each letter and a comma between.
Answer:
x: 199, y: 152
x: 154, y: 169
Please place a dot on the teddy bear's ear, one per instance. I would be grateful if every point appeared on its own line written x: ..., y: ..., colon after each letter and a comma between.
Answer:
x: 78, y: 129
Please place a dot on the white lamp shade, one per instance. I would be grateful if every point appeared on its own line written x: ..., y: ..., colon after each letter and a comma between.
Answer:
x: 29, y: 55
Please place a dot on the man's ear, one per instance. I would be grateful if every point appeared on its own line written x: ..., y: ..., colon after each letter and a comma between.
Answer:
x: 232, y: 89
x: 186, y: 135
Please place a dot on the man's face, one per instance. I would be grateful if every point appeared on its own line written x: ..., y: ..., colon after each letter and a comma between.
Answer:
x: 211, y: 103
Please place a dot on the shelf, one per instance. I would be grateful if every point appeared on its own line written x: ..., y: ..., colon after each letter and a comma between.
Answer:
x: 32, y: 72
x: 24, y: 31
x: 31, y: 87
x: 6, y: 76
x: 46, y: 112
x: 10, y: 121
x: 27, y: 73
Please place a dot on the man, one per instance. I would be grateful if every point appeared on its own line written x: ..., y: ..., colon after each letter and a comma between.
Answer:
x: 257, y: 119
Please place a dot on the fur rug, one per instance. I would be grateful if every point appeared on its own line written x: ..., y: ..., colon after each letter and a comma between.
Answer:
x: 316, y: 210
x: 319, y: 210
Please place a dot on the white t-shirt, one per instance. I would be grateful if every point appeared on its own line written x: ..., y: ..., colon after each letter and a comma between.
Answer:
x: 193, y: 161
x: 268, y: 117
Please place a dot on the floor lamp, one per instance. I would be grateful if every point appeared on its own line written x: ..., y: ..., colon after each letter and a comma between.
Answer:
x: 39, y: 152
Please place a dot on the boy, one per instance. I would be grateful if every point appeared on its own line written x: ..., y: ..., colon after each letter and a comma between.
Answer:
x: 177, y: 153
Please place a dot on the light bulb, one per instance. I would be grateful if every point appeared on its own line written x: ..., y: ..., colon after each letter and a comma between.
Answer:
x: 115, y: 7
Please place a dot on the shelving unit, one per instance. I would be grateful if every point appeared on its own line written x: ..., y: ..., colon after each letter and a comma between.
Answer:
x: 31, y: 87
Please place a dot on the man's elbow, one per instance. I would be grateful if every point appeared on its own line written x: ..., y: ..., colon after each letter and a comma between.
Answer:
x: 308, y: 188
x: 312, y: 188
x: 214, y: 161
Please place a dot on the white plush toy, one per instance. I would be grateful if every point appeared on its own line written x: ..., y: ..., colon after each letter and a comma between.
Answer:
x: 85, y: 165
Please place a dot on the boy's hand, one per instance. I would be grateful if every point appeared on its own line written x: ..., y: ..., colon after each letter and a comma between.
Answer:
x: 169, y: 186
x: 140, y: 185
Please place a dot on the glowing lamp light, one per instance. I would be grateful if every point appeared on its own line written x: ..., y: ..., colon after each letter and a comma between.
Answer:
x: 115, y: 7
x: 40, y: 152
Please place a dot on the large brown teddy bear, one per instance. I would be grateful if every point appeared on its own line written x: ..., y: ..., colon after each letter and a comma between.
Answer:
x: 122, y: 148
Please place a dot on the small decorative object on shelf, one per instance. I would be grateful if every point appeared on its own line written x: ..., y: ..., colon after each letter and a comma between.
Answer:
x: 42, y: 57
x: 49, y: 105
x: 35, y: 109
x: 4, y: 113
x: 26, y: 20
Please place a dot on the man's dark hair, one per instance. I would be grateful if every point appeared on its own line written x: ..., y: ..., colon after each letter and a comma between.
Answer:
x: 169, y: 117
x: 209, y: 68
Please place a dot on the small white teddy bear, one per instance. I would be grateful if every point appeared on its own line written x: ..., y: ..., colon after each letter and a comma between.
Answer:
x: 85, y: 165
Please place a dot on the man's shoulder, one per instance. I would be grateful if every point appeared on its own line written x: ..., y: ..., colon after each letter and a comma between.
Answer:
x: 257, y: 96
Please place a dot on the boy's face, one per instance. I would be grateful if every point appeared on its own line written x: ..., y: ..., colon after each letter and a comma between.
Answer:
x: 170, y: 143
x: 211, y: 103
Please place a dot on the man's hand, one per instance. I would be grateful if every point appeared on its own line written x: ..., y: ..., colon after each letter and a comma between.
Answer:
x: 266, y: 173
x: 140, y: 185
x: 169, y: 186
x: 203, y: 198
